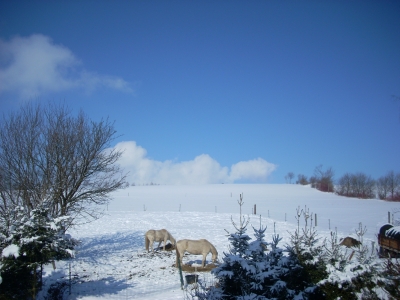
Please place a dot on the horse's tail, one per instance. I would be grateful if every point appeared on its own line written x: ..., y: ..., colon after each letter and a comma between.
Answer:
x: 146, y: 242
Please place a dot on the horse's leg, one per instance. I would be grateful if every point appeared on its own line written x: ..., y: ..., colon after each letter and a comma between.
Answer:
x: 151, y: 244
x: 203, y: 262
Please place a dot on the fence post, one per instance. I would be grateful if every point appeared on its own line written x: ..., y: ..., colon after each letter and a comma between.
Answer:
x: 180, y: 270
x: 70, y: 278
x: 255, y: 209
x: 389, y: 217
x: 316, y: 223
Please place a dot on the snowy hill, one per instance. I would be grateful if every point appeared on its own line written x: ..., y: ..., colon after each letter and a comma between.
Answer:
x: 272, y: 200
x: 111, y: 262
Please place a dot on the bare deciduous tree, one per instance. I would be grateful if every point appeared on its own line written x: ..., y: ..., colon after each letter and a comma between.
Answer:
x: 388, y: 186
x: 313, y: 182
x: 302, y: 179
x: 343, y: 187
x: 48, y: 156
x: 324, y: 179
x: 288, y: 177
x: 356, y: 185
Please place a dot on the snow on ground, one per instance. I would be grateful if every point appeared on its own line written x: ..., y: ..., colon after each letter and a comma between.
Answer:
x: 111, y: 262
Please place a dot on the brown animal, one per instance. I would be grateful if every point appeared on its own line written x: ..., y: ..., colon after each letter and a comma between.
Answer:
x: 349, y: 242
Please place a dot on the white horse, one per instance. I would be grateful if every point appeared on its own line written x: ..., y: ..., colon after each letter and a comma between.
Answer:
x: 196, y: 247
x: 162, y: 235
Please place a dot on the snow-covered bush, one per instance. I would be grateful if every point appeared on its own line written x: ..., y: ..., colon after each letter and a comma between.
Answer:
x: 250, y: 271
x: 391, y: 280
x: 28, y: 243
x: 339, y: 272
x: 308, y: 268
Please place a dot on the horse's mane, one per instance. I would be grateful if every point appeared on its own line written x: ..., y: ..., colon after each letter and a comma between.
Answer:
x: 213, y: 248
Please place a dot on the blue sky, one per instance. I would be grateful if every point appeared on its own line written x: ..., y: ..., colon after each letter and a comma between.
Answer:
x: 217, y: 91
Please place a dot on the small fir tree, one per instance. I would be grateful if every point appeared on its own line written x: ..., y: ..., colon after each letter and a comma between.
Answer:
x: 37, y: 239
x: 304, y: 244
x: 232, y: 273
x: 258, y: 259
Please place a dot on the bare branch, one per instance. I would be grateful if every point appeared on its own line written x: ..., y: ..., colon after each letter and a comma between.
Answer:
x: 49, y: 155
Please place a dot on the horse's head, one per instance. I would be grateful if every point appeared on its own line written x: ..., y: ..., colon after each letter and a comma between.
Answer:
x: 173, y: 241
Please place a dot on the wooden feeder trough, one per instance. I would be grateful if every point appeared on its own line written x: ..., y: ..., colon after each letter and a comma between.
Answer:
x: 190, y: 268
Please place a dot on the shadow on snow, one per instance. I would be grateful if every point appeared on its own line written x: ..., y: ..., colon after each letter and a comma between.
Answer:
x: 112, y: 243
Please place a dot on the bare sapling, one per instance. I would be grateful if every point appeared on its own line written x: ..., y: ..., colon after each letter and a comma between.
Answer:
x: 243, y: 221
x: 306, y: 237
x: 334, y: 253
x: 362, y: 254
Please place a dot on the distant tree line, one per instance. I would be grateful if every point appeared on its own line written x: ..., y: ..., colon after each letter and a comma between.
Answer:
x: 144, y: 184
x: 356, y: 185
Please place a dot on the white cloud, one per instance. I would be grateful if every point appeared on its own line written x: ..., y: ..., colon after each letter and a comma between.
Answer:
x: 202, y: 169
x: 34, y: 65
x: 256, y: 170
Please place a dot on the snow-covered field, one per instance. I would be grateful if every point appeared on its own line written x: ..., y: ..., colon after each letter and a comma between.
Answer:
x: 111, y: 262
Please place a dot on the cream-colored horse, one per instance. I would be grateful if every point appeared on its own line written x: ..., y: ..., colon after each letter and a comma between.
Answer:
x: 196, y: 247
x: 162, y: 235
